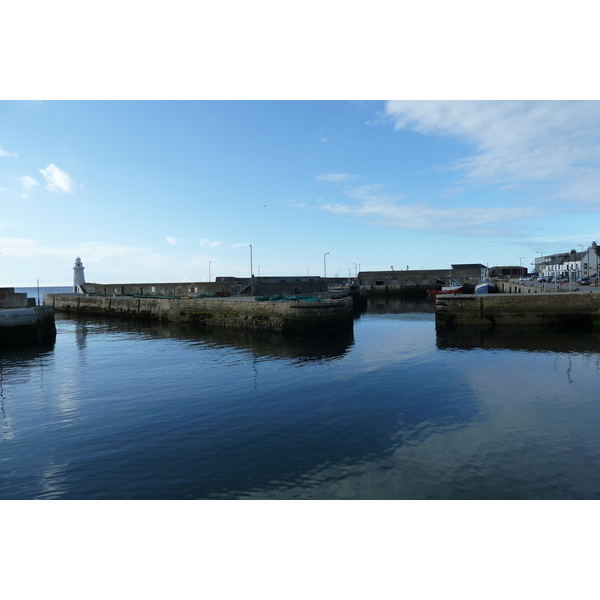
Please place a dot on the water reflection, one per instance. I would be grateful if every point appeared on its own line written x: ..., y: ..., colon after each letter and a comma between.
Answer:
x: 396, y: 305
x: 316, y: 347
x: 532, y: 339
x: 20, y: 366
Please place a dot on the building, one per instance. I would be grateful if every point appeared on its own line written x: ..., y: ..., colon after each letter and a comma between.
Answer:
x: 571, y: 264
x: 419, y: 279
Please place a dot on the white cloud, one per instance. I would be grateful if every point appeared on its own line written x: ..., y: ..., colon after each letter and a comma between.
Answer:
x: 27, y: 182
x: 337, y: 177
x: 57, y: 179
x: 551, y: 145
x: 174, y: 241
x: 209, y: 243
x: 5, y: 153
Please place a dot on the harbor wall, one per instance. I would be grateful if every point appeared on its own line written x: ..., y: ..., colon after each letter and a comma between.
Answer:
x: 22, y: 325
x: 298, y: 317
x: 569, y: 311
x: 11, y: 299
x: 233, y: 286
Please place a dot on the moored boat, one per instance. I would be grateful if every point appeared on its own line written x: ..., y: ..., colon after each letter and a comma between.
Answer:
x: 450, y: 288
x: 485, y: 285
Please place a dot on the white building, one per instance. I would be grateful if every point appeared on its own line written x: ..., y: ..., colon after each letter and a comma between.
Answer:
x: 570, y: 264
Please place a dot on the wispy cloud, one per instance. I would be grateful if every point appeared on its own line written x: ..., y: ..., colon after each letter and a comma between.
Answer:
x: 5, y: 153
x: 549, y: 146
x: 209, y: 243
x: 57, y: 179
x: 174, y: 241
x: 27, y: 183
x: 335, y: 177
x: 384, y: 210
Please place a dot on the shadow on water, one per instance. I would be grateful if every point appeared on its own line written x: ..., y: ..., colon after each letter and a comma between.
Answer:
x: 533, y: 339
x: 396, y: 305
x: 262, y: 344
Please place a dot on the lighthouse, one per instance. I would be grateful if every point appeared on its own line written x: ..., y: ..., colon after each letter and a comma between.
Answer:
x: 78, y: 277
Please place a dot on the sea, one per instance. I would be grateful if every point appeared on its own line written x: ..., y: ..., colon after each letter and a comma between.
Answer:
x: 392, y: 410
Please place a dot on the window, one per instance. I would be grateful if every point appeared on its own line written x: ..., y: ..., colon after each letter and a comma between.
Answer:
x: 425, y: 281
x: 379, y: 282
x: 410, y: 281
x: 394, y: 282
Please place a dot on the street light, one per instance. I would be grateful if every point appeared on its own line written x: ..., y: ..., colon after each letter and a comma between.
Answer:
x: 251, y: 275
x: 325, y: 268
x: 520, y: 265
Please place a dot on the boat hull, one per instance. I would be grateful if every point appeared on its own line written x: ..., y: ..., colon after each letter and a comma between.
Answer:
x: 485, y: 288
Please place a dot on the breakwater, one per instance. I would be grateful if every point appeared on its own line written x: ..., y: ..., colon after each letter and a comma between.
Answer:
x: 25, y: 325
x: 285, y: 317
x: 562, y: 310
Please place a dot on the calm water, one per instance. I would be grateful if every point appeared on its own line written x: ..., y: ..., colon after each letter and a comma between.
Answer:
x: 146, y: 411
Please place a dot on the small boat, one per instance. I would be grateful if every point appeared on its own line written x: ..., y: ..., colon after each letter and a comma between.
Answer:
x: 485, y: 285
x: 448, y: 288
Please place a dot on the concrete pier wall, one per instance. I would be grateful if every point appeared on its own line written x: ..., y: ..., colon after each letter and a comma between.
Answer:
x: 261, y: 286
x: 575, y: 310
x: 299, y: 317
x: 23, y: 325
x: 11, y: 299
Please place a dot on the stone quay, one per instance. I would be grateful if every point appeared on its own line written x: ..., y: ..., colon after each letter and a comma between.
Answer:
x: 326, y: 315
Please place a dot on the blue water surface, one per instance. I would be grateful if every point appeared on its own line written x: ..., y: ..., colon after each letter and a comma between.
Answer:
x: 392, y: 410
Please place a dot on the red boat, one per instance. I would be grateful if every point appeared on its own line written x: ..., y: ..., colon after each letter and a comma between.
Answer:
x: 446, y: 289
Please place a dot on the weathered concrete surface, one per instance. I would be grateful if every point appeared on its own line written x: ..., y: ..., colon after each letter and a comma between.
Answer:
x: 23, y: 325
x: 328, y: 315
x: 11, y: 299
x: 581, y: 311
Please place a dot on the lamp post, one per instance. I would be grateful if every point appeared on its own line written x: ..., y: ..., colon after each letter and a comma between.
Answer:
x: 251, y: 275
x: 325, y: 268
x: 520, y: 265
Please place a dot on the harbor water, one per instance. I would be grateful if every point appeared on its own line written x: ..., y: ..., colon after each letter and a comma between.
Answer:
x: 391, y: 410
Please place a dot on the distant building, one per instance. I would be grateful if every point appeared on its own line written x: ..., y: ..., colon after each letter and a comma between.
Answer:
x: 508, y: 272
x: 571, y: 264
x: 466, y: 274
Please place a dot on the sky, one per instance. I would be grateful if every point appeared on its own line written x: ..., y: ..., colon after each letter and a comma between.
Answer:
x: 161, y: 191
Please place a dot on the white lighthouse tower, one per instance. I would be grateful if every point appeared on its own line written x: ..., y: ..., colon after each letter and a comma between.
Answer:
x: 78, y: 277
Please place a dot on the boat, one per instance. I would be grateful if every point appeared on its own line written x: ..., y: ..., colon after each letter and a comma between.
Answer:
x: 451, y: 287
x: 485, y: 285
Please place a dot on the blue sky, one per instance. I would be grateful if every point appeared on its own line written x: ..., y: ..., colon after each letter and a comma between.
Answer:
x: 156, y: 190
